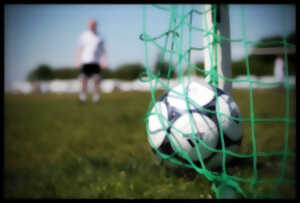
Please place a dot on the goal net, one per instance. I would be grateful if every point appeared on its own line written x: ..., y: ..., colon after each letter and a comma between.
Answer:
x: 265, y: 164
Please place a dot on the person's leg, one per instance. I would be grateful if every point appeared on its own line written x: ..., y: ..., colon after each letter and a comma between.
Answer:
x: 84, y: 82
x: 97, y: 89
x: 83, y: 91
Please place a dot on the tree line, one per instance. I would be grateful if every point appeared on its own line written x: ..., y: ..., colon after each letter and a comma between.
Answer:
x: 258, y: 65
x: 130, y: 71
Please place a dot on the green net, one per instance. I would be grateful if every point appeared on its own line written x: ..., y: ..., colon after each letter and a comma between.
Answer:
x: 266, y: 159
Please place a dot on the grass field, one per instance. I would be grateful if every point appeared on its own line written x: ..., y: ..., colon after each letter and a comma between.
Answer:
x: 55, y: 147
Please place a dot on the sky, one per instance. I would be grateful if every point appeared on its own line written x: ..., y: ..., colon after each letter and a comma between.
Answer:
x: 36, y: 34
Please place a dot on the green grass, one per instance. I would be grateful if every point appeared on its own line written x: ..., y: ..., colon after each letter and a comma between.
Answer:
x: 55, y: 147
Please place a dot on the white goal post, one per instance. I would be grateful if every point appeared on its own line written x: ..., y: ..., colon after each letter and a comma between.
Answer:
x: 224, y: 64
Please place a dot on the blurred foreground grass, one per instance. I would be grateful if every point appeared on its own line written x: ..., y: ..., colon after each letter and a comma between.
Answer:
x: 55, y: 147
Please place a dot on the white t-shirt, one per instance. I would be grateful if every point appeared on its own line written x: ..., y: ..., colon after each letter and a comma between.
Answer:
x: 92, y: 46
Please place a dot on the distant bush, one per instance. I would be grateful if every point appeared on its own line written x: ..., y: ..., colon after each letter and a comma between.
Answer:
x: 200, y: 65
x: 264, y: 64
x: 123, y: 72
x: 161, y: 69
x: 66, y: 73
x: 106, y: 73
x: 275, y: 41
x: 42, y: 72
x: 258, y: 66
x: 128, y: 71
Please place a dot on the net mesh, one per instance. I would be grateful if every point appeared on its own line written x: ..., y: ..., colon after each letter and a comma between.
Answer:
x: 178, y: 43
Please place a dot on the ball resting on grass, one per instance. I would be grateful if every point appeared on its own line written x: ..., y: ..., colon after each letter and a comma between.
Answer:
x: 184, y: 125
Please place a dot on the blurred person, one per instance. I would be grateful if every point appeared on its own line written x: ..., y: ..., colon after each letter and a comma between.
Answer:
x: 91, y: 59
x: 279, y: 70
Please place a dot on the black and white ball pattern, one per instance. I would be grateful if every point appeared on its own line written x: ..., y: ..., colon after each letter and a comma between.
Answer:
x: 184, y: 119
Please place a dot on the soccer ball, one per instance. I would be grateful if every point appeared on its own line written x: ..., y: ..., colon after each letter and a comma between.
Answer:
x: 183, y: 125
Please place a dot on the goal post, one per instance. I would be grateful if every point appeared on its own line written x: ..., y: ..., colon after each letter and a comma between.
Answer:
x: 222, y: 57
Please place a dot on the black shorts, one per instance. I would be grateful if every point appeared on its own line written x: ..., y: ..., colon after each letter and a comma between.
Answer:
x: 90, y: 69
